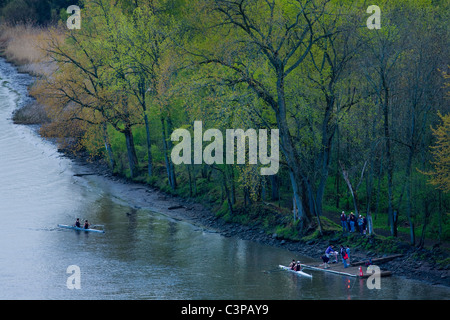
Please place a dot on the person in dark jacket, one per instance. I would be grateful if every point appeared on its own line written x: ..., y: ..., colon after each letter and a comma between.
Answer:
x: 352, y: 220
x: 344, y: 222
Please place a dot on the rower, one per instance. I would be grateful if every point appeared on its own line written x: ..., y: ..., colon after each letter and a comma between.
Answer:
x: 297, y: 266
x: 292, y: 264
x: 77, y: 223
x: 86, y: 224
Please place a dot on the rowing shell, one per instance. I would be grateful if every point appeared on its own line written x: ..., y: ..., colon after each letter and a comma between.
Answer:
x: 300, y: 273
x: 80, y: 229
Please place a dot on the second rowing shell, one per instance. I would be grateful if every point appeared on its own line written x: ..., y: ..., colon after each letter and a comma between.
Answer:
x: 300, y: 273
x: 79, y: 229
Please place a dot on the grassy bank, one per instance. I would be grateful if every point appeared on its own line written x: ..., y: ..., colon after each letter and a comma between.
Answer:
x: 24, y: 46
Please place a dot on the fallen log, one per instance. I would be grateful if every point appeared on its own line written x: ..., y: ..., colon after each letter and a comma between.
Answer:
x: 83, y: 174
x: 377, y: 260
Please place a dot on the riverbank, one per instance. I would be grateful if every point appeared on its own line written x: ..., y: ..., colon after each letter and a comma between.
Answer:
x: 417, y: 264
x: 422, y: 264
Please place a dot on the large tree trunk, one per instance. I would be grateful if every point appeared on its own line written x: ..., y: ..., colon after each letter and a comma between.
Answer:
x: 131, y: 151
x: 170, y: 146
x: 390, y: 165
x: 369, y: 188
x: 149, y: 152
x: 426, y: 218
x: 289, y: 150
x: 352, y: 191
x: 112, y: 162
x: 337, y: 174
x: 409, y: 209
x: 169, y: 164
x: 412, y: 234
x: 227, y: 192
x: 232, y: 185
x: 325, y: 155
x: 274, y: 187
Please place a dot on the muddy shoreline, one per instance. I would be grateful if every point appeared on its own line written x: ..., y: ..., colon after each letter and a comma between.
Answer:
x: 144, y: 196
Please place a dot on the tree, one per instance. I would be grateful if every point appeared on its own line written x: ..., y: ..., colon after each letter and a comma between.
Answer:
x: 401, y: 69
x: 422, y: 90
x: 383, y: 55
x: 85, y: 78
x: 262, y: 45
x: 440, y: 176
x: 330, y: 76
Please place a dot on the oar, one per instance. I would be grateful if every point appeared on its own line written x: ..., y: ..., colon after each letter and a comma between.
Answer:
x: 273, y: 270
x: 92, y: 225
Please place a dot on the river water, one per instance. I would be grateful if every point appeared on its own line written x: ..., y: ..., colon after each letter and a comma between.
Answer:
x: 143, y: 254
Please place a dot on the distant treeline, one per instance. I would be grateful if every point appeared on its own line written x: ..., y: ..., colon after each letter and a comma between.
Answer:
x: 41, y: 12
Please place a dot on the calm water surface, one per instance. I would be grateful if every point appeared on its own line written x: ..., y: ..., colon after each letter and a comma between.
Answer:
x: 142, y: 255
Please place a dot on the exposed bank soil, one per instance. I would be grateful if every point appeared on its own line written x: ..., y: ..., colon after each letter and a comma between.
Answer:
x: 143, y: 196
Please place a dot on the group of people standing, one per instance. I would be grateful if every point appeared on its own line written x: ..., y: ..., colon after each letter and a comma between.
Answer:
x: 351, y: 222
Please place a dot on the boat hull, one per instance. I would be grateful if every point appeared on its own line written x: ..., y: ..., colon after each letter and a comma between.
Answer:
x: 300, y: 273
x: 80, y: 229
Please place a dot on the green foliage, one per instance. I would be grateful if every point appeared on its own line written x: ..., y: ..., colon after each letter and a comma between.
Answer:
x: 440, y: 177
x: 175, y: 62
